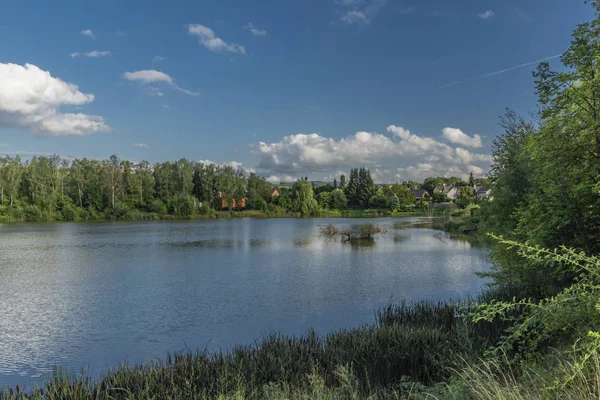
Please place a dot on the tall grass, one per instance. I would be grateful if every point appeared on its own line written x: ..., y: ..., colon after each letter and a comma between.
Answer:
x: 414, y: 342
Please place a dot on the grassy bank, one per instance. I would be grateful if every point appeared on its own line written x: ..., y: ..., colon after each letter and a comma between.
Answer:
x: 149, y: 216
x: 408, y: 347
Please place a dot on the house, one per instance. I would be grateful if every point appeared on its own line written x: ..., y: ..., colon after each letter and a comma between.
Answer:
x: 274, y: 193
x: 438, y: 189
x: 420, y: 194
x: 451, y: 192
x: 482, y: 192
x: 236, y: 203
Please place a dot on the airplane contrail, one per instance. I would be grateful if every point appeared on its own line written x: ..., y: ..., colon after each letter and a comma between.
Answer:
x: 501, y: 71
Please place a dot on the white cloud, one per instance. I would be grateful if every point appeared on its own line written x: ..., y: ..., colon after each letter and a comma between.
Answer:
x: 466, y: 157
x: 273, y: 179
x: 152, y: 76
x: 255, y: 31
x: 359, y: 12
x: 209, y: 40
x: 166, y: 106
x: 355, y: 17
x: 30, y: 98
x: 420, y: 171
x: 234, y: 164
x: 92, y: 54
x: 148, y: 76
x: 457, y: 136
x: 88, y: 33
x: 301, y: 154
x: 141, y: 145
x: 158, y: 59
x: 486, y: 14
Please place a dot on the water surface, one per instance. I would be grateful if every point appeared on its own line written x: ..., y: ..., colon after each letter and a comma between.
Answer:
x: 93, y: 295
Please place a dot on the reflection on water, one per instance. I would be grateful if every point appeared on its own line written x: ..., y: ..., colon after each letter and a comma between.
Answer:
x: 361, y: 243
x: 93, y: 295
x: 221, y: 243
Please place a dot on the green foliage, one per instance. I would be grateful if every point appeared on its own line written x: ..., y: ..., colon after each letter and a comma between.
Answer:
x: 158, y: 207
x: 182, y: 205
x: 465, y: 198
x: 257, y: 203
x: 380, y: 200
x: 304, y: 201
x: 324, y: 199
x: 360, y: 188
x: 439, y: 197
x: 568, y: 319
x: 510, y: 175
x: 32, y: 212
x: 337, y: 200
x: 69, y: 213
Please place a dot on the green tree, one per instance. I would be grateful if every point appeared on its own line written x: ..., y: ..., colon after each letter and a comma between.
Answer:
x: 564, y: 208
x: 337, y: 200
x: 351, y: 189
x: 304, y: 200
x: 380, y: 200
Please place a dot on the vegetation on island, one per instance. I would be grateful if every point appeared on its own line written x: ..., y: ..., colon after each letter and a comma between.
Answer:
x: 534, y: 335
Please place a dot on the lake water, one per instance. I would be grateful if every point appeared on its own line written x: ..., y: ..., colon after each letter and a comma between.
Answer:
x: 94, y: 295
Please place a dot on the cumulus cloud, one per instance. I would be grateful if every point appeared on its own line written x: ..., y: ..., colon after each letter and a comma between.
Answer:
x: 209, y: 40
x: 141, y: 145
x: 255, y: 31
x: 31, y: 98
x: 420, y: 171
x: 152, y: 76
x: 301, y: 154
x: 457, y: 136
x: 92, y: 54
x: 234, y: 164
x: 486, y: 14
x: 466, y: 157
x: 359, y: 12
x: 88, y: 33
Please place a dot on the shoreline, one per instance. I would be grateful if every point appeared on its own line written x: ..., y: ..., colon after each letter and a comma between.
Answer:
x: 348, y: 214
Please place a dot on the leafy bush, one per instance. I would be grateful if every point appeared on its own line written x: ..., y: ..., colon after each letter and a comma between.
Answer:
x: 182, y: 205
x: 158, y: 207
x: 380, y: 200
x: 568, y: 320
x: 337, y: 200
x: 69, y: 213
x: 32, y: 212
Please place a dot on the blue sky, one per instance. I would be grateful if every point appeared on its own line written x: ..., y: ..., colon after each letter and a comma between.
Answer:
x: 286, y: 88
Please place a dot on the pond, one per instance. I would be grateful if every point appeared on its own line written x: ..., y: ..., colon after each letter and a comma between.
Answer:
x: 90, y: 296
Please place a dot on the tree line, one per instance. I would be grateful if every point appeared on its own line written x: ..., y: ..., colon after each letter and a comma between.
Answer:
x: 50, y: 187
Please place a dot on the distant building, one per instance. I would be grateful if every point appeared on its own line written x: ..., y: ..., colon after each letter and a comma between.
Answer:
x: 274, y: 193
x: 451, y: 192
x: 482, y: 192
x: 420, y: 194
x: 236, y: 203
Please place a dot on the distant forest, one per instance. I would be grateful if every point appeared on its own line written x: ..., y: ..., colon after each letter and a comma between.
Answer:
x: 52, y: 188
